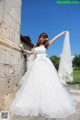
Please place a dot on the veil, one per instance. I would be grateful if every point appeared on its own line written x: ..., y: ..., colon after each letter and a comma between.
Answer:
x: 65, y: 71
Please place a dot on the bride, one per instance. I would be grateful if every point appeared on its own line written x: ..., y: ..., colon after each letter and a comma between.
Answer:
x: 41, y: 92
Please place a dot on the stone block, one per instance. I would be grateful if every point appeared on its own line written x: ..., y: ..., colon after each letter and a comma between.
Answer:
x: 19, y: 69
x: 2, y: 56
x: 2, y: 102
x: 7, y: 57
x: 19, y: 2
x: 17, y: 38
x: 1, y: 10
x: 8, y: 70
x: 0, y: 31
x: 6, y: 31
x: 13, y: 8
x: 10, y: 34
x: 8, y: 100
x: 1, y: 15
x: 17, y: 80
x: 11, y: 17
x: 14, y: 58
x: 9, y: 85
x: 12, y: 23
x: 23, y: 69
x: 2, y: 86
x: 18, y: 27
x: 1, y: 70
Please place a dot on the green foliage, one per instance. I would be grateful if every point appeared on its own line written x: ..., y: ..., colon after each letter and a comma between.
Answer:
x: 76, y: 62
x: 76, y: 77
x: 55, y: 60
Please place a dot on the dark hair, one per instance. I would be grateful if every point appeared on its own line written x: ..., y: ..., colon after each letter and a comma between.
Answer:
x: 45, y: 43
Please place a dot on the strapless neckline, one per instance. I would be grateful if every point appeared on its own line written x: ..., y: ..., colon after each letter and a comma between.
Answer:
x: 40, y: 46
x: 40, y: 50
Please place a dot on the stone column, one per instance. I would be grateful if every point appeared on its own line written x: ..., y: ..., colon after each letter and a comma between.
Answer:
x: 10, y: 19
x: 12, y: 61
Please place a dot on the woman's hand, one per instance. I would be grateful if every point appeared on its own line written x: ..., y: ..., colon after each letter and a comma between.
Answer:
x: 25, y: 51
x: 64, y: 32
x: 22, y: 48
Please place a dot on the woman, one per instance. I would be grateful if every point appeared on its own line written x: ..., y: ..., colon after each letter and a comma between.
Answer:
x: 41, y: 92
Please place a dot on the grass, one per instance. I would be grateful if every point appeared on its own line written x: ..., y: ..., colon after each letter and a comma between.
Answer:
x: 76, y: 76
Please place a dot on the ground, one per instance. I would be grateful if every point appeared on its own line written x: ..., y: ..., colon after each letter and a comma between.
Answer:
x: 74, y: 91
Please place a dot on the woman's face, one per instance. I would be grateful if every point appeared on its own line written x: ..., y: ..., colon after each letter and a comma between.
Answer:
x: 42, y: 39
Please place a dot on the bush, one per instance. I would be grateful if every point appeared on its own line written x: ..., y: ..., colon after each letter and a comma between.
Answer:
x: 76, y: 62
x: 55, y: 60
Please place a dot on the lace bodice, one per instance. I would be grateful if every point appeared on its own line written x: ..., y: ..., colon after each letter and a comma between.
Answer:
x: 40, y: 51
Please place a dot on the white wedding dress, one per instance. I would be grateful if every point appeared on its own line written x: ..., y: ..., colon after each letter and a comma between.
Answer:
x: 41, y: 92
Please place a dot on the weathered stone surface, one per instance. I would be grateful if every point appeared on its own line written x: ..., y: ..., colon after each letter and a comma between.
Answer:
x: 2, y: 86
x: 1, y: 14
x: 19, y: 2
x: 8, y: 70
x: 10, y: 20
x: 11, y: 59
x: 0, y: 70
x: 9, y: 85
x: 9, y: 33
x: 2, y: 98
x: 17, y: 80
x: 13, y: 8
x: 12, y: 68
x: 6, y: 31
x: 2, y: 54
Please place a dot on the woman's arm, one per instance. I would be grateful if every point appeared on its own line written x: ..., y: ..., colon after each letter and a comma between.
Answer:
x: 56, y: 37
x: 27, y: 51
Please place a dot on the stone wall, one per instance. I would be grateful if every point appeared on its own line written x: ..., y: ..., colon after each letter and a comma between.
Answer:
x: 12, y: 68
x: 10, y: 19
x: 12, y: 61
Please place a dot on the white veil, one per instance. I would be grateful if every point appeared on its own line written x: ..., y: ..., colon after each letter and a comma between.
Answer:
x: 65, y: 71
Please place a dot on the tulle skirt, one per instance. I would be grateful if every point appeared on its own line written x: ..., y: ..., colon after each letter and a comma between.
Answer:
x: 41, y: 93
